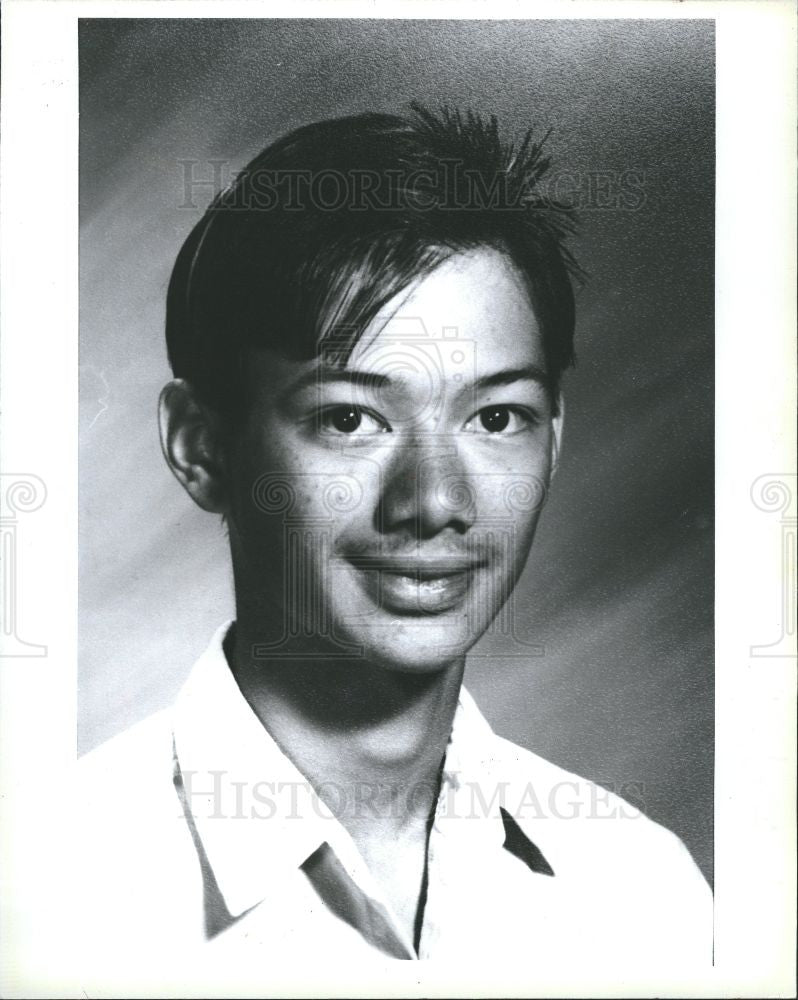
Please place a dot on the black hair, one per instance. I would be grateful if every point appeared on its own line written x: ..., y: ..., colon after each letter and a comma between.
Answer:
x: 329, y: 223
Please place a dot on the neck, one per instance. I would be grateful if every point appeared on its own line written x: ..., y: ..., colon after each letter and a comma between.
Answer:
x: 372, y: 737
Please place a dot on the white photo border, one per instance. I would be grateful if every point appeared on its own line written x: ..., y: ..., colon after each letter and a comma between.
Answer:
x: 755, y: 798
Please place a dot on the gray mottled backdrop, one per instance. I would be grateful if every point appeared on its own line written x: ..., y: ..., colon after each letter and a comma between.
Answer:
x: 619, y: 589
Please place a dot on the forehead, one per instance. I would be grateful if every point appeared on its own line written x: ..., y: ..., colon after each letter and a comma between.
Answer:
x: 476, y: 300
x: 469, y: 319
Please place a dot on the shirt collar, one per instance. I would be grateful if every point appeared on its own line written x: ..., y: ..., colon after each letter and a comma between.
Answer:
x: 257, y: 816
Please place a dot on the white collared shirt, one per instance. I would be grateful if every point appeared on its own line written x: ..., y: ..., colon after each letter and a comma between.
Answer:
x: 200, y: 835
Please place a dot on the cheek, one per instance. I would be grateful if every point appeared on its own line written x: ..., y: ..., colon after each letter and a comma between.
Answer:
x: 509, y: 502
x: 525, y: 533
x: 316, y: 509
x: 274, y: 475
x: 512, y: 541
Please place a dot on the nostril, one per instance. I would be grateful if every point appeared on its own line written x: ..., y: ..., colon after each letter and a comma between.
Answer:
x: 425, y: 491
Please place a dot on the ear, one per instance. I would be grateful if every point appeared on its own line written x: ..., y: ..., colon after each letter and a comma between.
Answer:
x: 556, y: 437
x: 191, y: 445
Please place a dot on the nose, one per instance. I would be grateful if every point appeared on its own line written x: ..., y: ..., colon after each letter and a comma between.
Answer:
x: 427, y: 490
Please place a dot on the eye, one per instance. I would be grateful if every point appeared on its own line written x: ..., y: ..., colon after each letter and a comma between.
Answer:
x: 349, y: 419
x: 500, y: 418
x: 495, y: 418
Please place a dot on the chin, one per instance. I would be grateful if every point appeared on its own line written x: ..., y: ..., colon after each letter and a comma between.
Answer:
x: 415, y: 645
x: 395, y: 640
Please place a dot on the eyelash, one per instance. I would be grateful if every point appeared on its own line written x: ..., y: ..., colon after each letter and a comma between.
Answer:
x: 352, y: 412
x: 522, y: 413
x: 325, y: 417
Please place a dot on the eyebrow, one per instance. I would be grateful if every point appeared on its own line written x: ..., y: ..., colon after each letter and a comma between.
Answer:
x: 528, y: 373
x: 374, y: 380
x: 331, y: 376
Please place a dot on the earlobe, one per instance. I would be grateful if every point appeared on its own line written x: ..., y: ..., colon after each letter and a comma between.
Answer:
x: 191, y: 445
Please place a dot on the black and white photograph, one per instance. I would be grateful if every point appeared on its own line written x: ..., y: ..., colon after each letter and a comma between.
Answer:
x: 399, y: 608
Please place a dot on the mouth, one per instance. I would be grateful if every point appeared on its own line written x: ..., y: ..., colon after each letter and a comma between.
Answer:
x: 414, y: 586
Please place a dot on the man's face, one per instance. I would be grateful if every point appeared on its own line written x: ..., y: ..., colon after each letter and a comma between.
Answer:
x: 386, y: 509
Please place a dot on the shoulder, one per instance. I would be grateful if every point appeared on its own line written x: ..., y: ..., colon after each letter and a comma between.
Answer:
x: 623, y: 874
x: 126, y: 798
x: 124, y: 788
x: 136, y: 860
x: 579, y: 823
x: 586, y: 816
x: 594, y: 833
x: 137, y: 759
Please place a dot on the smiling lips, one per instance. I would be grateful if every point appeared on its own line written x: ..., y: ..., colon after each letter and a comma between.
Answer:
x: 415, y: 586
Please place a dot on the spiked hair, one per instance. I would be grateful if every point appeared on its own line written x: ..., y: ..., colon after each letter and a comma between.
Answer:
x: 329, y: 223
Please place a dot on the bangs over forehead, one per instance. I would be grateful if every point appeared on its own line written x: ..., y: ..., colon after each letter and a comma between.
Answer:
x: 324, y: 227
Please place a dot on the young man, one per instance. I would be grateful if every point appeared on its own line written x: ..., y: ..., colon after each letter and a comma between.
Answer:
x: 367, y: 332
